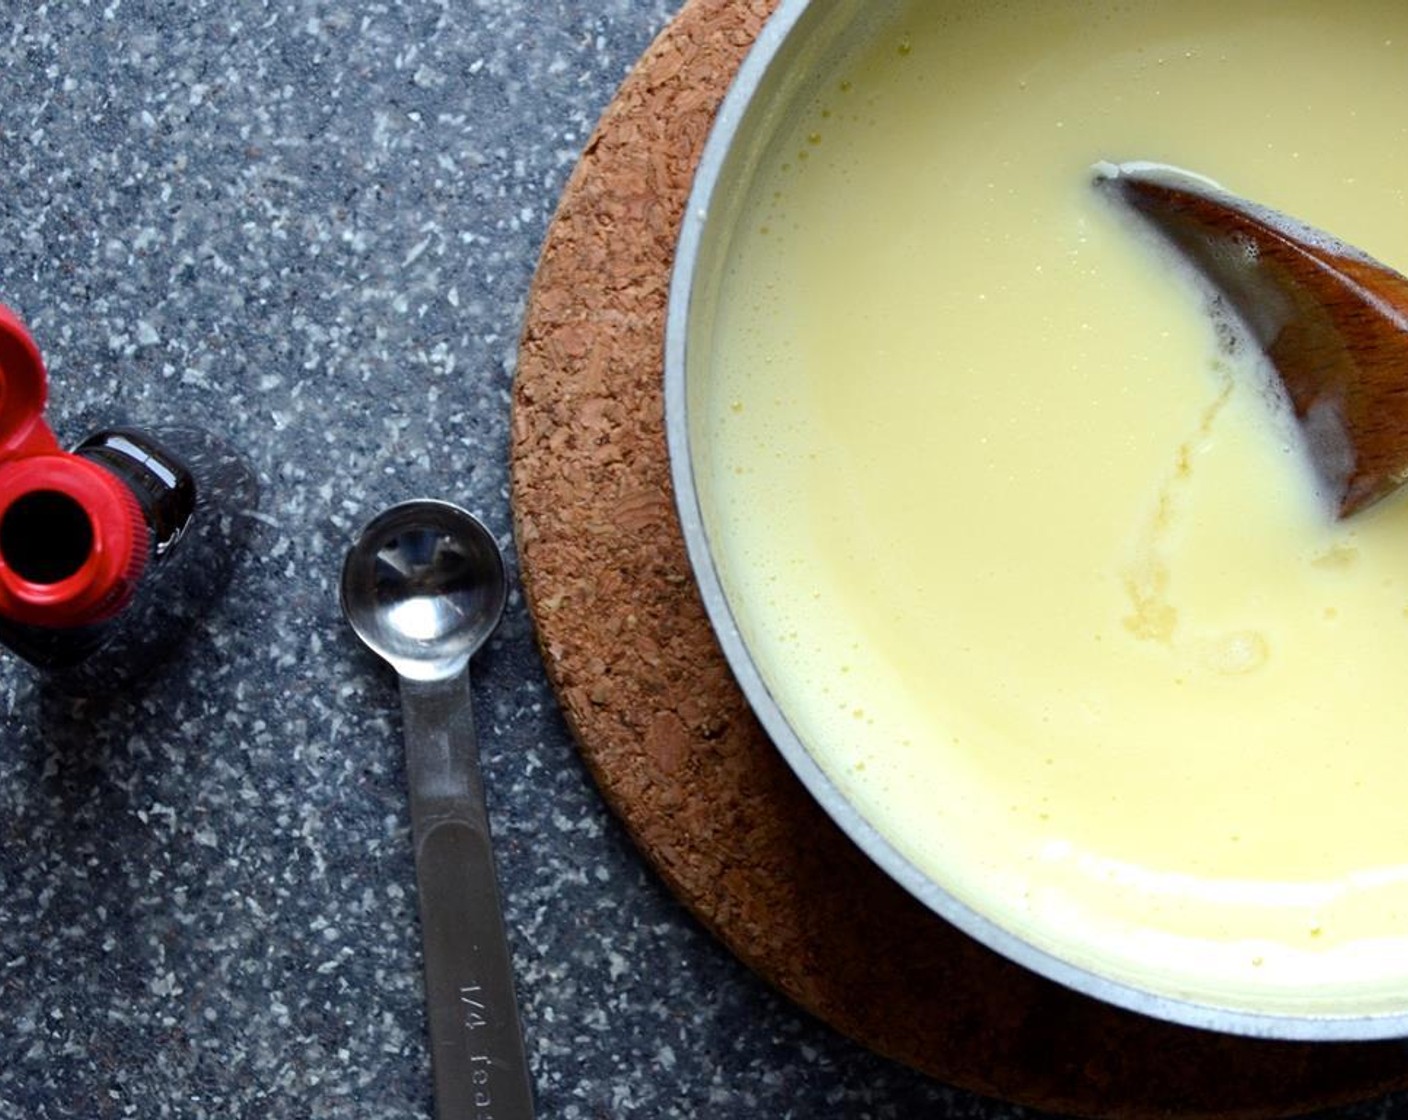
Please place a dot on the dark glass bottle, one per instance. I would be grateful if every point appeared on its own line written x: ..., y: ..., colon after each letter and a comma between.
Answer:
x: 108, y: 552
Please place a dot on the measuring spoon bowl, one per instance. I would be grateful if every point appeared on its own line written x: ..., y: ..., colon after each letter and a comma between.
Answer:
x: 424, y: 587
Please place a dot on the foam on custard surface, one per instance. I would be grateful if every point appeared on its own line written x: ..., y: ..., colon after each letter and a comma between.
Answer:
x: 1041, y: 579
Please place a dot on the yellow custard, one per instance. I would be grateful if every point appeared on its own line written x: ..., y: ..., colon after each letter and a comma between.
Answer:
x: 1038, y: 572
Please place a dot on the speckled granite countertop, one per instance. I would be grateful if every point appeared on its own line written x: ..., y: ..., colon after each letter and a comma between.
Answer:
x: 313, y: 226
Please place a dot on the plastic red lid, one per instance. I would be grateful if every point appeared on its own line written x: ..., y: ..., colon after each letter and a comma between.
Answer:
x: 73, y: 541
x: 23, y: 390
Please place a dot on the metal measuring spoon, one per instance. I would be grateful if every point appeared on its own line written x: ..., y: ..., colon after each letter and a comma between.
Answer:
x: 423, y: 587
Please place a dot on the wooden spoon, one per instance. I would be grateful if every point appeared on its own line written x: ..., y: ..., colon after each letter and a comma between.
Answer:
x: 1332, y: 321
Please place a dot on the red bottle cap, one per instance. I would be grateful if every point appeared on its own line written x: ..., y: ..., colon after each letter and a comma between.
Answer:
x: 73, y: 541
x: 23, y: 389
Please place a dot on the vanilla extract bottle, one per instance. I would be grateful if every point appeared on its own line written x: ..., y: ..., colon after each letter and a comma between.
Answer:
x: 111, y: 551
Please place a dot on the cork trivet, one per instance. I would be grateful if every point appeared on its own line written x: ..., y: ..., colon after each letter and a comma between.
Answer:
x: 669, y: 738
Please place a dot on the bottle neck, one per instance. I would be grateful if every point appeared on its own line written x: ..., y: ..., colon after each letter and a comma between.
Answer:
x: 161, y: 482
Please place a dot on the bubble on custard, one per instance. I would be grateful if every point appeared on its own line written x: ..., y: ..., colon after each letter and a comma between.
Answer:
x: 1236, y: 653
x: 1248, y: 249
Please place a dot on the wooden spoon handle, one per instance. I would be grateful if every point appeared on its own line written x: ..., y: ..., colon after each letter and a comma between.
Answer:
x: 1332, y: 320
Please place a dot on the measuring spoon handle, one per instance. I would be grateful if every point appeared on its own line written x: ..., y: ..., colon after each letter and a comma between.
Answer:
x: 476, y: 1044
